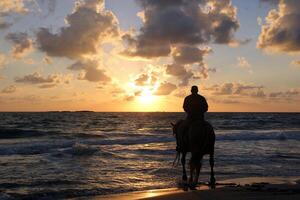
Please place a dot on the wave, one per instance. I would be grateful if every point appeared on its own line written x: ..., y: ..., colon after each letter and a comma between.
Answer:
x: 260, y: 135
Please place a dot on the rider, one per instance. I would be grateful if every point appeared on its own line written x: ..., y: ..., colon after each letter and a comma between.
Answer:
x: 195, y: 105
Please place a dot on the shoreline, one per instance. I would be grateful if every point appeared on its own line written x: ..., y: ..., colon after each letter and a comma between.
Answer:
x: 239, y: 188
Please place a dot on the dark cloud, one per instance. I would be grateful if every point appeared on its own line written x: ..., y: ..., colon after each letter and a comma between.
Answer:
x: 91, y: 70
x: 189, y: 54
x: 37, y: 78
x: 9, y: 89
x: 180, y: 72
x: 284, y: 95
x: 165, y: 88
x: 22, y: 44
x: 181, y: 22
x: 282, y: 30
x: 88, y: 26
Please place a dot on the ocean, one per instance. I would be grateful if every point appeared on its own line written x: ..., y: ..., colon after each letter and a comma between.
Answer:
x: 73, y: 154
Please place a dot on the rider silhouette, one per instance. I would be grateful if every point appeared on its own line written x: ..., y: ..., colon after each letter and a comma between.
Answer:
x: 195, y: 105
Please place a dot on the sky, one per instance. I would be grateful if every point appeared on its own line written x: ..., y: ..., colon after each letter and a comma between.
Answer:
x: 144, y: 55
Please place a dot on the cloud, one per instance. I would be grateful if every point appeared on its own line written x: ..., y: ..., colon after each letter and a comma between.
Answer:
x: 189, y: 54
x: 281, y: 33
x: 148, y: 78
x: 241, y: 89
x: 186, y: 56
x: 88, y: 26
x: 284, y: 94
x: 243, y: 62
x: 16, y: 6
x: 4, y: 25
x: 181, y: 22
x: 9, y: 89
x: 44, y: 82
x: 37, y: 78
x: 47, y: 60
x: 142, y: 80
x: 180, y: 72
x: 165, y: 88
x: 22, y: 44
x: 91, y: 71
x: 3, y: 60
x: 259, y: 21
x: 296, y: 63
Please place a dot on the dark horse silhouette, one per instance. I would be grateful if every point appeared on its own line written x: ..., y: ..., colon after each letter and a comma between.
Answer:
x: 199, y: 139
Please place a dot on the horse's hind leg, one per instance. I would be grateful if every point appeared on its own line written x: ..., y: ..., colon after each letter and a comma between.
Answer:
x: 198, y: 168
x: 184, y: 176
x: 212, y: 174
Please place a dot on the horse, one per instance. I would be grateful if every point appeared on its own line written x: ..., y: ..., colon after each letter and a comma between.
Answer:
x: 197, y: 137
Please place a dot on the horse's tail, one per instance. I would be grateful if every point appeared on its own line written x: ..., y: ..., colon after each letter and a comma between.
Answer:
x: 176, y: 160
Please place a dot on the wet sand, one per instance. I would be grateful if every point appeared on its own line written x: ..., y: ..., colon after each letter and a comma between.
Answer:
x: 245, y: 188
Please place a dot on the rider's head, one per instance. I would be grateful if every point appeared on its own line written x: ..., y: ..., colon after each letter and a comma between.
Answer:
x: 194, y: 89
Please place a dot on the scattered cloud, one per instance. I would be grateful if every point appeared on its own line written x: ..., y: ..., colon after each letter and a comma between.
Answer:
x: 165, y: 88
x: 37, y: 78
x: 90, y: 71
x: 234, y: 89
x: 44, y: 82
x: 281, y: 31
x: 88, y: 26
x: 243, y: 62
x: 9, y: 89
x: 284, y: 94
x: 22, y: 44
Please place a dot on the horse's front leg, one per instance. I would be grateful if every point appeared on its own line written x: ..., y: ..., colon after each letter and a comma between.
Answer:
x: 184, y: 176
x: 212, y: 174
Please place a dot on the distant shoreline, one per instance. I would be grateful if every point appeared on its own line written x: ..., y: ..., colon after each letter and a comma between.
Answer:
x: 90, y: 111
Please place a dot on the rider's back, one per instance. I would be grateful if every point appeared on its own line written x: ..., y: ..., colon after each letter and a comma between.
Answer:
x: 195, y: 106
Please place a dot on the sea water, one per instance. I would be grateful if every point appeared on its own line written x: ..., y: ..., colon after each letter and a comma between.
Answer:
x: 73, y: 154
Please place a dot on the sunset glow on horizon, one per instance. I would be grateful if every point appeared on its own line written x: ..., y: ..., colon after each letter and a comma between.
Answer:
x: 144, y: 55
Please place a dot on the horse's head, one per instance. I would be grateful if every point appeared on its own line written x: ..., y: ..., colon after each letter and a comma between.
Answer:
x: 175, y: 126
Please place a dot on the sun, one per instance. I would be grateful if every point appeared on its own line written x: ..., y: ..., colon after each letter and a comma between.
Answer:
x: 146, y: 96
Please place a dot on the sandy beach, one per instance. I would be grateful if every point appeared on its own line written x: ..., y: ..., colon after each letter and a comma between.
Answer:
x: 244, y: 188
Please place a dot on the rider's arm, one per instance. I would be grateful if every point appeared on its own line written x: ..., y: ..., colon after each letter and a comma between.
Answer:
x: 185, y: 105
